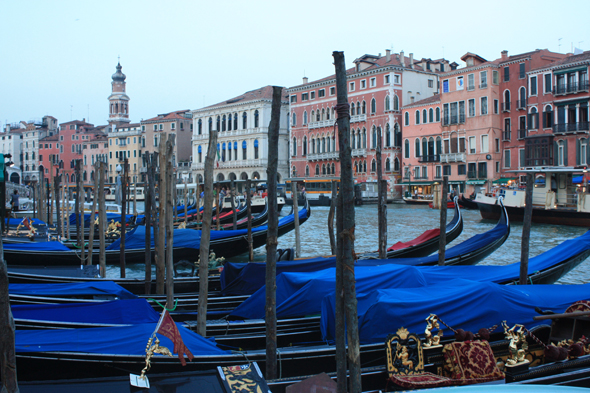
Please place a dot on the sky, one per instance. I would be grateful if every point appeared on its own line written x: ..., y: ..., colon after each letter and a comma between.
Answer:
x: 58, y: 56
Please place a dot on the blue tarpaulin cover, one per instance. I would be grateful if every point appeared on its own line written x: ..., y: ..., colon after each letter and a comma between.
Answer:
x: 94, y: 288
x: 13, y: 222
x: 299, y: 294
x: 125, y: 340
x: 110, y: 216
x: 37, y: 246
x: 462, y: 304
x: 131, y: 311
x: 246, y: 278
x: 191, y: 238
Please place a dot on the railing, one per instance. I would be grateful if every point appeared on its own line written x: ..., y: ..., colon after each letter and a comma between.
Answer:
x: 506, y: 106
x: 483, y: 85
x: 570, y: 88
x: 429, y: 158
x: 357, y: 118
x: 482, y: 174
x: 470, y: 87
x: 320, y: 124
x: 234, y: 164
x: 522, y: 133
x: 323, y: 156
x: 472, y: 175
x: 506, y: 135
x: 520, y: 104
x: 453, y: 157
x: 565, y: 127
x: 453, y: 119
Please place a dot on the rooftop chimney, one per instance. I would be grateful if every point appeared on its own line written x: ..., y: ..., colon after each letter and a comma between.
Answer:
x: 387, y: 55
x: 305, y: 80
x: 424, y: 65
x: 504, y: 54
x: 402, y: 58
x: 411, y: 60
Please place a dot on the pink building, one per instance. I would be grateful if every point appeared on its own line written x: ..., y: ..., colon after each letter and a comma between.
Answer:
x: 378, y: 86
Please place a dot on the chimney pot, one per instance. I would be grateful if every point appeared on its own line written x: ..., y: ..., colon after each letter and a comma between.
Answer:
x: 402, y: 58
x: 387, y: 55
x: 305, y: 80
x: 412, y: 60
x: 504, y: 54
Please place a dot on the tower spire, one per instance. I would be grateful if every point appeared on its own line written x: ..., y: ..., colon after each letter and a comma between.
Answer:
x: 118, y: 100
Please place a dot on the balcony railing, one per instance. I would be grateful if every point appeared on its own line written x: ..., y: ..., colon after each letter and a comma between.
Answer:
x: 482, y: 174
x: 430, y: 158
x: 359, y: 152
x: 506, y: 106
x: 569, y: 127
x: 520, y: 104
x: 357, y: 118
x: 453, y: 119
x: 452, y: 157
x: 483, y: 85
x: 506, y: 136
x: 522, y: 133
x: 470, y: 87
x: 570, y: 88
x: 323, y: 156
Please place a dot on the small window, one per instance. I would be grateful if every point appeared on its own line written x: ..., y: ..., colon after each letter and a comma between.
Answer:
x: 430, y: 83
x: 547, y: 89
x: 506, y: 74
x: 484, y: 105
x: 322, y: 93
x: 294, y: 98
x: 521, y: 71
x: 351, y: 86
x: 363, y: 84
x: 312, y: 95
x: 396, y: 79
x: 332, y: 91
x: 495, y: 77
x: 304, y: 96
x: 533, y: 86
x: 373, y: 82
x: 386, y: 79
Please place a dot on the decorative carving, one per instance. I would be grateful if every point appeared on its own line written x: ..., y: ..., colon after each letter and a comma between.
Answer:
x: 404, y: 353
x: 432, y: 341
x: 517, y: 336
x: 150, y: 350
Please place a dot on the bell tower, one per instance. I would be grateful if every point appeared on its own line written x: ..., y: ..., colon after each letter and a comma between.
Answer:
x: 118, y: 100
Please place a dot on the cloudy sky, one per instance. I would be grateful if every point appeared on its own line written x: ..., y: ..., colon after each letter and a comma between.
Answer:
x: 58, y: 55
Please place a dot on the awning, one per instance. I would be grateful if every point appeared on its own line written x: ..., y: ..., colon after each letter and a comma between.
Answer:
x: 415, y: 183
x: 476, y: 182
x: 568, y: 70
x: 504, y: 180
x: 454, y: 182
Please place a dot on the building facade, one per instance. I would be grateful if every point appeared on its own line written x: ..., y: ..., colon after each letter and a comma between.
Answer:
x: 242, y: 143
x: 378, y: 87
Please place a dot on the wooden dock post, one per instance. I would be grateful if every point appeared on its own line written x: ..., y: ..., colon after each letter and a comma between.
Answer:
x: 331, y: 218
x: 381, y: 199
x: 170, y: 215
x: 249, y: 213
x: 346, y: 305
x: 102, y: 219
x: 123, y: 217
x: 272, y: 234
x: 80, y: 210
x: 442, y: 243
x: 148, y: 192
x: 296, y: 212
x: 232, y: 194
x: 93, y: 217
x: 185, y: 202
x: 526, y: 229
x: 57, y: 188
x: 161, y: 254
x: 206, y: 235
x: 7, y: 334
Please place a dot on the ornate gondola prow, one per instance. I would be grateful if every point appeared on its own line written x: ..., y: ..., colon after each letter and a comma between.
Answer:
x: 149, y: 351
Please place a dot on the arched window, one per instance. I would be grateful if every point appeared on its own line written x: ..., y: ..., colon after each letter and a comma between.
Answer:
x: 522, y: 98
x: 395, y: 103
x: 333, y: 169
x: 293, y: 171
x: 352, y: 140
x: 223, y: 152
x: 364, y: 110
x: 387, y: 136
x: 424, y: 147
x: 358, y: 108
x: 319, y: 142
x: 437, y: 114
x: 229, y: 122
x: 307, y: 170
x: 374, y: 138
x: 387, y: 103
x: 244, y: 150
x: 244, y: 121
x: 365, y: 166
x: 430, y: 115
x: 373, y: 165
x: 356, y: 167
x: 328, y: 147
x: 210, y: 124
x: 312, y: 116
x: 373, y: 106
x: 323, y: 169
x: 317, y: 115
x: 317, y: 169
x: 561, y: 153
x: 387, y: 165
x: 417, y: 117
x: 323, y: 145
x: 506, y: 100
x: 352, y: 109
x: 200, y: 127
x: 328, y: 113
x: 235, y: 121
x: 294, y: 147
x: 256, y: 119
x: 548, y: 117
x: 424, y: 118
x: 438, y: 145
x: 112, y: 106
x: 406, y: 149
x: 312, y: 145
x: 396, y: 164
x: 364, y: 138
x: 218, y: 124
x: 117, y: 108
x: 417, y: 146
x: 223, y: 123
x: 294, y: 117
x: 533, y: 119
x: 304, y: 146
x: 323, y: 114
x: 255, y: 149
x: 406, y: 119
x: 305, y: 118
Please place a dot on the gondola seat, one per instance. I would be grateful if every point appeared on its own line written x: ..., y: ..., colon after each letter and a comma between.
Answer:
x: 466, y: 363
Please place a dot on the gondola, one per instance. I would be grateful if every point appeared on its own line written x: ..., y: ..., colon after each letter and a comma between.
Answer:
x: 186, y: 245
x: 100, y: 352
x: 468, y: 203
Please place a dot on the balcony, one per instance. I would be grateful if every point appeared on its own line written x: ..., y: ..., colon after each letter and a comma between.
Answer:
x: 359, y: 152
x: 520, y: 104
x: 482, y: 174
x: 506, y: 136
x: 571, y: 127
x: 453, y: 119
x: 453, y: 157
x: 470, y: 87
x: 333, y: 155
x: 320, y: 124
x: 570, y: 88
x: 233, y: 164
x: 483, y: 85
x: 357, y: 118
x: 522, y: 133
x: 429, y: 158
x: 506, y: 106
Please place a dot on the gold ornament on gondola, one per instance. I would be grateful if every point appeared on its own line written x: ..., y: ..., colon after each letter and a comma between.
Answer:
x: 150, y: 350
x: 516, y: 336
x: 431, y: 340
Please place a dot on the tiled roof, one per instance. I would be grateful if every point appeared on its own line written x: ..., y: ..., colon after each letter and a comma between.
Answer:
x: 176, y: 115
x: 574, y: 58
x: 264, y: 93
x: 54, y: 137
x: 425, y: 101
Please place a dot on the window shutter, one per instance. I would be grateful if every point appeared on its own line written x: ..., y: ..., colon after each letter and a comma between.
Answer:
x: 529, y: 121
x: 555, y: 153
x: 565, y: 153
x: 545, y: 114
x: 578, y: 152
x: 536, y: 120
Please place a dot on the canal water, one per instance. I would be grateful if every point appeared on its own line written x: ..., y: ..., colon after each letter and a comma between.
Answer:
x: 406, y: 222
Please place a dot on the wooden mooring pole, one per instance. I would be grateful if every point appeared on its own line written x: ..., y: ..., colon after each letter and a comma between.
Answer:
x: 381, y: 199
x: 331, y: 218
x: 526, y: 229
x: 296, y: 211
x: 442, y: 244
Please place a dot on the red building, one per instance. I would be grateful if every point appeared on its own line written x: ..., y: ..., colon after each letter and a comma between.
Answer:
x: 378, y: 86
